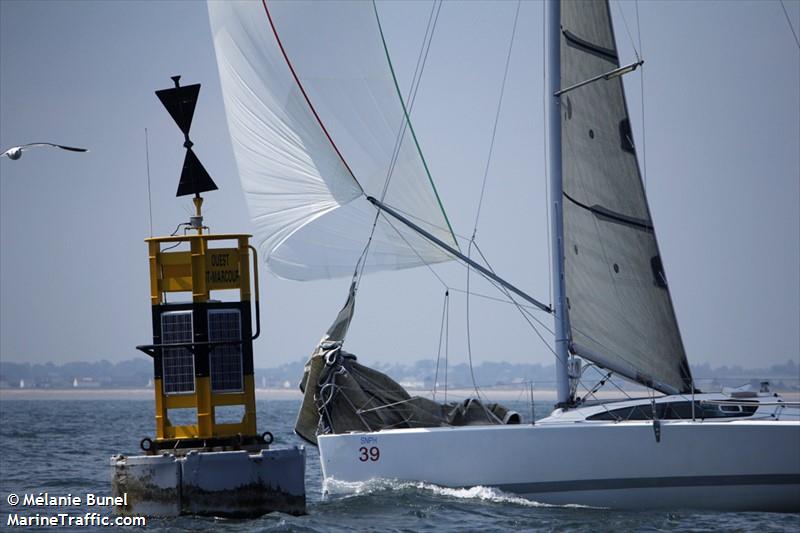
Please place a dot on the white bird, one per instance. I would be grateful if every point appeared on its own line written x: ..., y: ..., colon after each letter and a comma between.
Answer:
x: 15, y: 152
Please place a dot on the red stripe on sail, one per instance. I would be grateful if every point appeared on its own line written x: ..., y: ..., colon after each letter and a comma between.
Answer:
x: 303, y: 91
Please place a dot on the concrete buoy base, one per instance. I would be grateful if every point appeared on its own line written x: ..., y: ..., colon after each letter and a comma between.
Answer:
x: 216, y: 483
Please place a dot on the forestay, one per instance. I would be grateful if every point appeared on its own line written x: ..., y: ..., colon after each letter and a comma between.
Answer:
x: 620, y: 311
x: 314, y: 116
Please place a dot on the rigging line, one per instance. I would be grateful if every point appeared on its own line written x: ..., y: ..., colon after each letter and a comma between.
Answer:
x: 421, y: 60
x: 447, y: 335
x: 473, y: 293
x: 432, y: 226
x: 492, y: 298
x: 483, y: 190
x: 361, y: 264
x: 509, y: 299
x: 422, y: 259
x: 496, y: 118
x: 605, y: 378
x: 525, y: 313
x: 611, y: 353
x: 416, y: 79
x: 455, y: 253
x: 545, y: 135
x: 386, y: 406
x: 469, y: 335
x: 638, y: 28
x: 408, y: 120
x: 446, y: 348
x: 441, y: 334
x: 527, y: 317
x: 149, y: 195
x: 429, y: 224
x: 609, y: 380
x: 589, y: 392
x: 789, y: 21
x: 413, y: 96
x: 520, y: 309
x: 641, y: 100
x: 608, y: 351
x: 512, y: 301
x: 305, y: 95
x: 533, y: 317
x: 627, y: 30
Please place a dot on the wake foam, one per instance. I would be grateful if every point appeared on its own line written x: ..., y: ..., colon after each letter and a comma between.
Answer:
x: 348, y: 489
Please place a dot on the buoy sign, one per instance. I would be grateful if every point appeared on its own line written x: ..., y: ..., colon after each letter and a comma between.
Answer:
x: 222, y: 269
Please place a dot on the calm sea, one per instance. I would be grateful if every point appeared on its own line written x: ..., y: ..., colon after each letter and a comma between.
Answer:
x: 63, y: 446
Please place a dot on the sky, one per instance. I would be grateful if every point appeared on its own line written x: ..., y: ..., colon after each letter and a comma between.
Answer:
x: 720, y: 135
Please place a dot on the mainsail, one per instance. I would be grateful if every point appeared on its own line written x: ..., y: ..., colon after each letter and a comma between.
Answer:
x: 317, y: 124
x: 619, y: 305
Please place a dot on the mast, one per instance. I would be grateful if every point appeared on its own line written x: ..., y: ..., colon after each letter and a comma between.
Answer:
x: 557, y: 219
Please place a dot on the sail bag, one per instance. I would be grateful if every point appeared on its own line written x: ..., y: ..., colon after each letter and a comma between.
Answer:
x: 342, y: 395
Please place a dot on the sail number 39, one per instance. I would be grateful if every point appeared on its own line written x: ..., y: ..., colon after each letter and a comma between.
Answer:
x: 372, y: 453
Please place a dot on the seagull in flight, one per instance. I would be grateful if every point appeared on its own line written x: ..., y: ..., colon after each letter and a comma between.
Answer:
x: 15, y: 152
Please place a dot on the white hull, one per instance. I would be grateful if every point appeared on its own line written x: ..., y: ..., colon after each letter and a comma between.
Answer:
x: 731, y: 465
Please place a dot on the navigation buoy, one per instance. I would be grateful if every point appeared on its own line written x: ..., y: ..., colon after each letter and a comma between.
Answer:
x: 202, y: 354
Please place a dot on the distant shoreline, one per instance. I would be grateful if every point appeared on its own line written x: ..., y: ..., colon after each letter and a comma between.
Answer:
x: 280, y: 394
x: 122, y: 394
x: 268, y: 394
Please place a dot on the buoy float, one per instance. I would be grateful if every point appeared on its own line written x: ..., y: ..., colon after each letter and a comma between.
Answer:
x: 202, y: 354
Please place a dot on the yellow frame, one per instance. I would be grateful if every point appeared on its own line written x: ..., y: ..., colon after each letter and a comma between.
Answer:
x: 185, y: 271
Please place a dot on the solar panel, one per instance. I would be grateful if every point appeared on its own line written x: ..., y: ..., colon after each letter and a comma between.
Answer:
x: 225, y: 362
x: 176, y: 328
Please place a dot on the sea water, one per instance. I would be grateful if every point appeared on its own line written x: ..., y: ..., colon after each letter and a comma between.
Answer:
x: 62, y: 447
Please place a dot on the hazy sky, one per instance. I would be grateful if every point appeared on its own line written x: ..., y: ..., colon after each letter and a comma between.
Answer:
x: 722, y: 125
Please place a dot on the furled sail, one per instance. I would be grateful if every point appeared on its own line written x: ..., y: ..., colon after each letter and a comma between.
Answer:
x: 317, y: 124
x: 620, y: 311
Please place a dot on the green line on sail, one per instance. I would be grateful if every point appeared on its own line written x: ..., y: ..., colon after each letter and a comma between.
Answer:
x: 410, y: 127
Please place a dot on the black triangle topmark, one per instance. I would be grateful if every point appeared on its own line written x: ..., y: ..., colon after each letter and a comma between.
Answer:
x: 194, y: 178
x: 180, y: 103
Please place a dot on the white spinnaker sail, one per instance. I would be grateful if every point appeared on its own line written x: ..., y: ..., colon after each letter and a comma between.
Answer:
x: 620, y: 311
x: 314, y: 117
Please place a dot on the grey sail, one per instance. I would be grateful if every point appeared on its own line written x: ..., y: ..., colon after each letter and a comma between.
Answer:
x: 620, y: 311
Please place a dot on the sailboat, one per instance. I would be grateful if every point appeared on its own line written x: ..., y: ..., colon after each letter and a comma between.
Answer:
x: 338, y: 186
